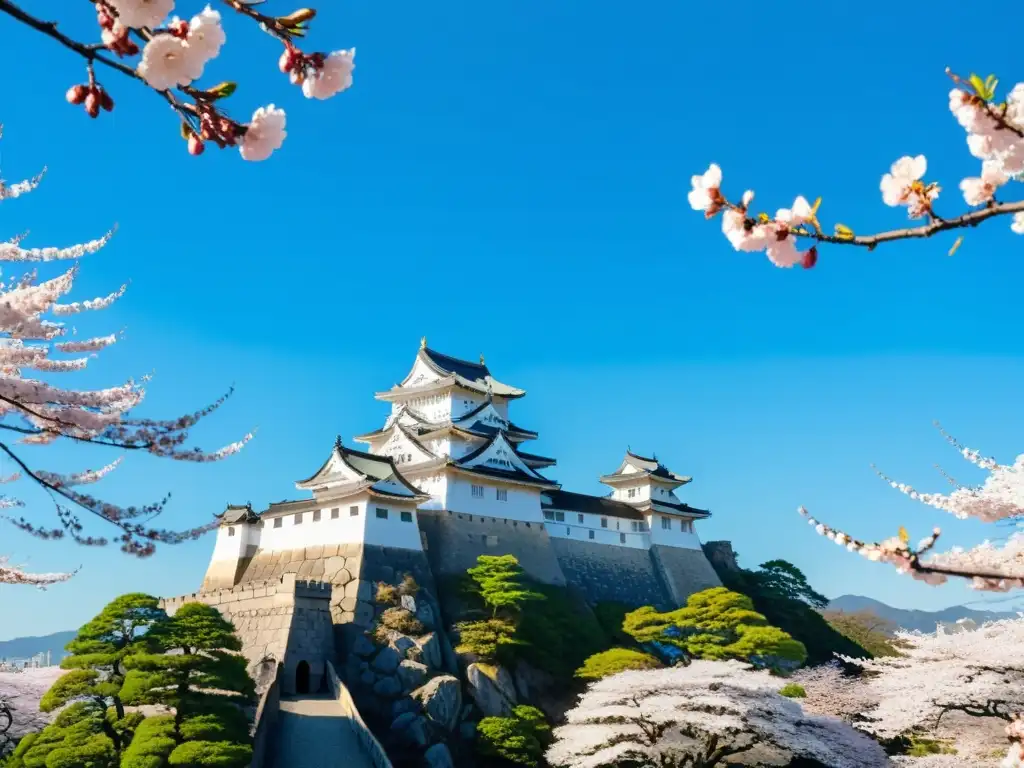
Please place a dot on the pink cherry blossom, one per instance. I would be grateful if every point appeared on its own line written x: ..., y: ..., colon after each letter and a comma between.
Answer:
x: 1017, y: 225
x: 264, y: 134
x: 142, y: 13
x: 332, y: 78
x: 167, y: 62
x: 734, y: 226
x: 903, y: 186
x: 205, y: 35
x: 980, y: 190
x: 705, y: 195
x: 799, y: 214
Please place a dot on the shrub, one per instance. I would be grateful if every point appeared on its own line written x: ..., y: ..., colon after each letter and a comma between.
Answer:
x: 610, y: 616
x: 519, y: 739
x: 616, y: 660
x: 408, y: 586
x: 499, y: 580
x: 386, y: 594
x: 922, y: 747
x: 793, y: 691
x: 486, y: 638
x: 399, y: 620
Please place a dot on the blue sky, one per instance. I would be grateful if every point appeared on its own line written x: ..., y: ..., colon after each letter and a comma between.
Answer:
x: 511, y: 179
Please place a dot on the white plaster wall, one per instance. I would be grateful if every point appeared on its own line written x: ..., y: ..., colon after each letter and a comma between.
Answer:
x: 501, y: 406
x: 523, y: 503
x: 420, y: 374
x: 641, y: 491
x: 675, y: 536
x: 436, y: 485
x: 571, y: 527
x: 392, y: 532
x: 463, y: 402
x: 228, y: 547
x: 344, y: 530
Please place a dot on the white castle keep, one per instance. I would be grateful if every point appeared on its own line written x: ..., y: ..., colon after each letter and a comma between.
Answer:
x: 448, y: 449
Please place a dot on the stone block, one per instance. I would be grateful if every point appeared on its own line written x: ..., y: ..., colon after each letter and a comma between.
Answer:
x: 348, y: 603
x: 492, y: 689
x: 331, y: 567
x: 441, y: 700
x: 315, y: 551
x: 317, y: 572
x: 411, y: 674
x: 305, y: 568
x: 438, y: 756
x: 341, y: 578
x: 388, y: 687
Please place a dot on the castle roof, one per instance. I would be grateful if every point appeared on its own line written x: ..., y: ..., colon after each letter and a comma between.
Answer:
x: 234, y: 514
x: 348, y: 471
x: 434, y: 370
x: 633, y: 465
x: 567, y: 501
x: 482, y: 422
x: 498, y: 458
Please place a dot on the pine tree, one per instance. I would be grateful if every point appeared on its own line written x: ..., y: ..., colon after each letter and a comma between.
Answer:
x: 716, y: 624
x: 499, y: 580
x: 199, y: 676
x: 97, y: 664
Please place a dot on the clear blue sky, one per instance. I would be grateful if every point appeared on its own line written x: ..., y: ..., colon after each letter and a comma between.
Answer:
x: 511, y: 179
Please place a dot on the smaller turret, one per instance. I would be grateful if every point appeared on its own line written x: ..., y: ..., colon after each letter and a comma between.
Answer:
x: 238, y: 538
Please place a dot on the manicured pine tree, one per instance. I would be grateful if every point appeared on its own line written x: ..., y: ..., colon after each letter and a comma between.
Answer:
x: 499, y: 580
x: 97, y: 663
x: 197, y: 674
x: 716, y: 624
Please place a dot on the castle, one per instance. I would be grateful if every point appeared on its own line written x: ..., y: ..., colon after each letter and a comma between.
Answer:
x: 444, y: 480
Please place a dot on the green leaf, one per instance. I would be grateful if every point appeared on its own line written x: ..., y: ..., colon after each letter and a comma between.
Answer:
x: 904, y: 536
x: 990, y: 86
x: 956, y: 245
x: 221, y: 90
x: 978, y: 84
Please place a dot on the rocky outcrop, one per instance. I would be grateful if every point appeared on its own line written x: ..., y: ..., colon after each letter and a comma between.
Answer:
x: 491, y: 688
x: 441, y: 700
x: 438, y: 756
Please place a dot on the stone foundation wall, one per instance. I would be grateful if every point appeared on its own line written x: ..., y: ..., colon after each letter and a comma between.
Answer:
x: 286, y: 620
x: 455, y: 540
x: 684, y: 571
x: 612, y: 574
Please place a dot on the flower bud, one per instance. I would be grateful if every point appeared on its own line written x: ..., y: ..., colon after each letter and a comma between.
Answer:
x: 92, y: 104
x: 195, y: 145
x: 105, y: 101
x: 287, y: 60
x: 76, y: 94
x: 810, y: 258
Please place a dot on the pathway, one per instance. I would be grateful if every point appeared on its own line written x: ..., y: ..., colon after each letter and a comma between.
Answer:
x: 313, y: 732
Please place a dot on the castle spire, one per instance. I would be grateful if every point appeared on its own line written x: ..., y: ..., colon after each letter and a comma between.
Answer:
x: 337, y: 442
x: 482, y: 360
x: 423, y: 342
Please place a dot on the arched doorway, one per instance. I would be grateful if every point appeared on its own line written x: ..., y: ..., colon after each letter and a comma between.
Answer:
x: 302, y: 677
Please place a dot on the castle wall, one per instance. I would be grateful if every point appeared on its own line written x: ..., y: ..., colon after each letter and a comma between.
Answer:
x: 684, y: 571
x: 455, y: 540
x: 522, y: 503
x: 676, y: 534
x: 282, y: 619
x: 612, y: 574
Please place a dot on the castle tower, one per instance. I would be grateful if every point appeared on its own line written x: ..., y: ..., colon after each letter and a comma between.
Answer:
x: 450, y: 434
x: 238, y: 538
x: 648, y: 486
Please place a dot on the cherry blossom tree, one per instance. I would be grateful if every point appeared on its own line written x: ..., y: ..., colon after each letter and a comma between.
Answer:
x: 699, y: 716
x: 36, y: 412
x: 140, y: 39
x: 979, y: 673
x: 20, y: 692
x: 830, y: 692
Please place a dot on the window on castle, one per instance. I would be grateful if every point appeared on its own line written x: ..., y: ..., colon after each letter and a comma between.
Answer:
x: 687, y: 526
x: 382, y: 513
x: 634, y: 526
x: 666, y: 523
x: 632, y: 492
x: 579, y: 518
x: 622, y: 538
x: 604, y: 522
x: 560, y: 517
x: 643, y: 527
x: 549, y: 515
x: 407, y: 517
x: 591, y: 534
x: 477, y: 491
x: 334, y: 513
x: 231, y: 530
x: 316, y: 515
x: 501, y: 493
x: 278, y: 522
x: 298, y: 518
x: 568, y: 531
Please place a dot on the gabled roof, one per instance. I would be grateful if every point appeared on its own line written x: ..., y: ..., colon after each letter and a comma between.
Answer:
x: 673, y: 508
x: 633, y: 465
x: 535, y: 461
x: 486, y: 417
x: 358, y: 471
x: 452, y: 371
x: 567, y: 501
x: 499, y: 458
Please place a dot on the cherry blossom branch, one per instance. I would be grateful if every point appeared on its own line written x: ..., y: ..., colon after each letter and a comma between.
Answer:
x: 10, y: 574
x: 995, y: 135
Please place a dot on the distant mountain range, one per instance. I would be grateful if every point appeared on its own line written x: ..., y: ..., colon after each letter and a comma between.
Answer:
x: 924, y: 621
x: 27, y: 647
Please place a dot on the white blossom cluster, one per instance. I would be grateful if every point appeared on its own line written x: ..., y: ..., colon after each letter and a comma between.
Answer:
x: 699, y: 715
x: 979, y: 673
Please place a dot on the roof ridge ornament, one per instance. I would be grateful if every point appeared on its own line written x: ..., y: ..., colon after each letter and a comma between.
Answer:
x: 482, y: 360
x: 423, y: 342
x: 337, y: 442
